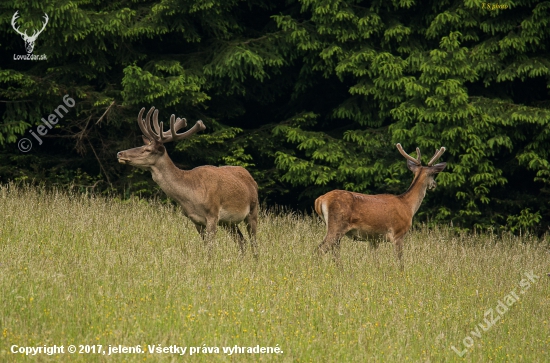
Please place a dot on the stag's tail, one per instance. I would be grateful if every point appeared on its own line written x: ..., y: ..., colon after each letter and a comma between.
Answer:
x: 321, y: 209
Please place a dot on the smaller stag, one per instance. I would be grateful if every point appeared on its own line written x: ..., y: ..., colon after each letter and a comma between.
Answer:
x: 29, y: 40
x: 376, y: 216
x: 208, y: 195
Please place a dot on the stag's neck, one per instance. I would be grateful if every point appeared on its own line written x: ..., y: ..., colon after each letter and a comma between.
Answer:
x: 169, y: 177
x: 414, y: 196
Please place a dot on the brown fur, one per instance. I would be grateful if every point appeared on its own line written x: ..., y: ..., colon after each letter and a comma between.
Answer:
x: 208, y: 195
x: 373, y: 217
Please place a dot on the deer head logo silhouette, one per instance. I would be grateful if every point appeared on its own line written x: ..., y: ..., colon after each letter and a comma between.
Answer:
x: 29, y: 40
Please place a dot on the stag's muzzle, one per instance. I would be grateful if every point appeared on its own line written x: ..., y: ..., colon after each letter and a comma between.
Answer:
x: 120, y: 157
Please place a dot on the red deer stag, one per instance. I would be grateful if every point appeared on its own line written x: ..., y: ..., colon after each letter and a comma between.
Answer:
x: 208, y: 195
x: 373, y: 216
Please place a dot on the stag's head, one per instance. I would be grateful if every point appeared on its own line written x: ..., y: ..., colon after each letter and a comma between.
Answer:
x: 153, y: 148
x: 428, y: 172
x: 29, y: 40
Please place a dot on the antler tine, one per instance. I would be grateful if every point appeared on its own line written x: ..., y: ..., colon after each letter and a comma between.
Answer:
x: 437, y: 155
x: 173, y: 130
x: 141, y: 123
x: 166, y: 136
x: 163, y: 139
x: 180, y: 123
x: 148, y: 124
x: 156, y: 123
x: 198, y: 126
x: 407, y: 156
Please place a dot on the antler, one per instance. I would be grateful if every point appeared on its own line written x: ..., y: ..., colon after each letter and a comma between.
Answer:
x: 166, y: 136
x: 13, y: 20
x: 142, y: 122
x: 417, y: 161
x: 437, y: 155
x: 24, y: 35
x: 407, y: 156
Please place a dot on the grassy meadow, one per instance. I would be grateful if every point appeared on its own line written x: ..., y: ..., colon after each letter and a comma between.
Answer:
x: 87, y: 270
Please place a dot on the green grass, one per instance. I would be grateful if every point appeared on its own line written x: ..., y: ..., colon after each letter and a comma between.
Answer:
x: 88, y: 270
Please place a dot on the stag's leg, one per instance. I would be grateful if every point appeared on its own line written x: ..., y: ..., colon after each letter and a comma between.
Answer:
x: 336, y: 252
x: 331, y: 241
x: 337, y: 227
x: 374, y: 242
x: 235, y: 232
x: 251, y: 221
x: 398, y: 243
x: 201, y: 229
x: 335, y: 232
x: 211, y: 228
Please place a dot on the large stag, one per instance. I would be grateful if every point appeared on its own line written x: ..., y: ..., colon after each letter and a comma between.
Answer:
x: 208, y: 195
x: 377, y: 216
x: 29, y: 40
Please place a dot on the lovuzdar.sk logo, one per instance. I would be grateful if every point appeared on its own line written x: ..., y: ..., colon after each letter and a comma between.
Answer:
x: 29, y: 40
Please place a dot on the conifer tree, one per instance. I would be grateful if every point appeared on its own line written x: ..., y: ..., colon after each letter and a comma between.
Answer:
x: 309, y: 95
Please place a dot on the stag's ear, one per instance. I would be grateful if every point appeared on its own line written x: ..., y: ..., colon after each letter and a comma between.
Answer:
x: 146, y: 141
x: 412, y: 166
x: 437, y: 168
x: 161, y: 149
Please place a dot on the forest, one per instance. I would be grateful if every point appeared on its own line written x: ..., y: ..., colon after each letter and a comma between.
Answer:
x: 308, y: 95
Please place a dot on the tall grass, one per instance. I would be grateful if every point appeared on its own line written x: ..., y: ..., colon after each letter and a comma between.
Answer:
x: 85, y: 270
